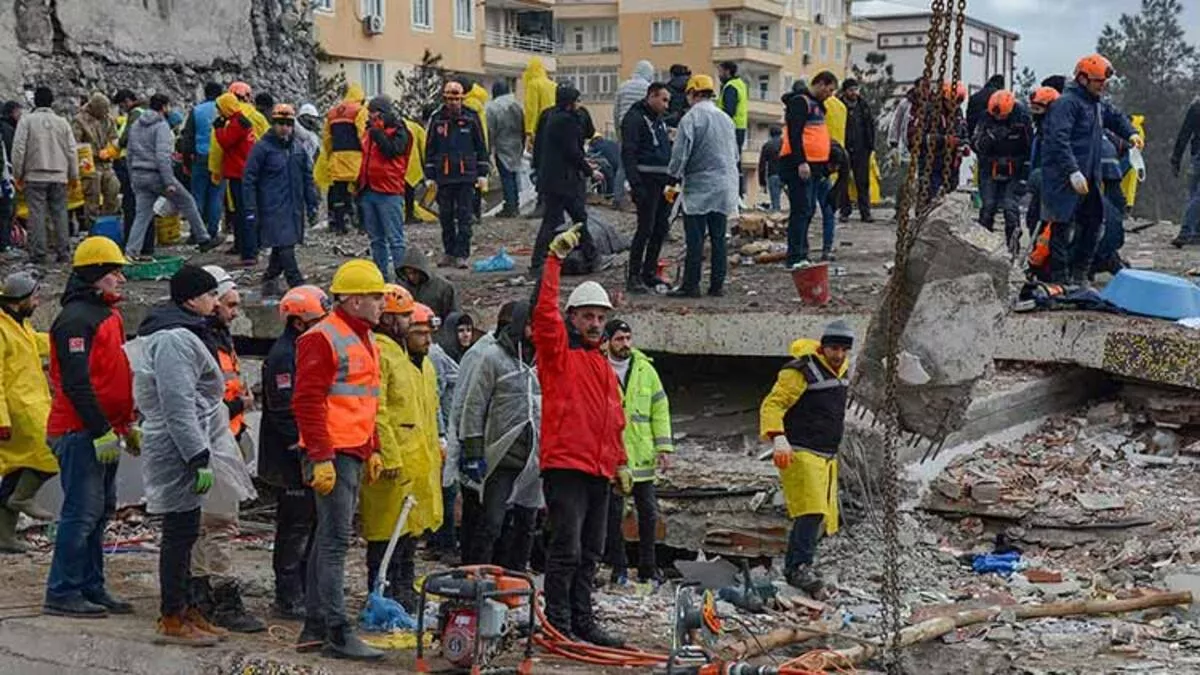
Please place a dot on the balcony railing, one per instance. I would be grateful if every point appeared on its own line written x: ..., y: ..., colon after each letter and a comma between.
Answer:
x: 520, y: 43
x: 748, y: 42
x: 571, y: 48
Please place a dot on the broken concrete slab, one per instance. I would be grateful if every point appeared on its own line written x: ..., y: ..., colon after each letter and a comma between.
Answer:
x: 1095, y: 501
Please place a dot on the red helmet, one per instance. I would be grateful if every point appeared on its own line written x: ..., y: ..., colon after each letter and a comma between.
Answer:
x: 240, y: 90
x: 1096, y: 67
x: 306, y: 302
x: 1044, y: 96
x: 1001, y: 104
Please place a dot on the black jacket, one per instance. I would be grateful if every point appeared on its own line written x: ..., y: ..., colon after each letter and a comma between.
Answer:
x: 278, y: 461
x: 977, y: 106
x: 644, y: 143
x: 860, y: 127
x: 1003, y: 146
x: 7, y: 131
x: 563, y: 164
x: 1189, y: 133
x: 679, y: 103
x: 455, y: 150
x: 768, y: 159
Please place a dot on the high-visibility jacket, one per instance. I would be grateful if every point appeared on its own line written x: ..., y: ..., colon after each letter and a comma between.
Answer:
x: 341, y: 142
x: 414, y: 173
x: 816, y: 138
x: 353, y: 399
x: 233, y: 387
x: 647, y: 418
x: 24, y: 397
x: 741, y: 114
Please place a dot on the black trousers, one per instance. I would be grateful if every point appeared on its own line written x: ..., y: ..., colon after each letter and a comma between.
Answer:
x: 515, y: 545
x: 456, y: 207
x: 401, y: 569
x: 179, y: 533
x: 295, y: 521
x: 740, y: 136
x: 341, y: 206
x: 577, y: 515
x: 859, y: 166
x: 1073, y: 245
x: 283, y: 262
x: 653, y: 223
x: 646, y: 504
x: 576, y: 207
x: 488, y: 514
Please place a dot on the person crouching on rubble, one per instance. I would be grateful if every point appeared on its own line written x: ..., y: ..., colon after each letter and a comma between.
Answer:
x: 804, y: 416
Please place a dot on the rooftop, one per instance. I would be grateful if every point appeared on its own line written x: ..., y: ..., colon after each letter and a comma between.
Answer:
x: 882, y: 10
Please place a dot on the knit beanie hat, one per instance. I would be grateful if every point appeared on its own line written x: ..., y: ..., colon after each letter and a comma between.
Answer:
x: 191, y: 282
x: 615, y: 326
x: 838, y: 334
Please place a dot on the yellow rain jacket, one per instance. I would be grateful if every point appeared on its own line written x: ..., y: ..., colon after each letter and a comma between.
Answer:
x: 835, y: 119
x: 1129, y: 182
x: 408, y: 440
x: 540, y: 93
x: 476, y: 100
x: 24, y: 397
x: 810, y: 483
x: 227, y: 106
x: 342, y: 166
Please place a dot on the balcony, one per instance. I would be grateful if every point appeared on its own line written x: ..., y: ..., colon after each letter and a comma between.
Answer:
x: 589, y: 54
x: 764, y: 108
x: 511, y: 51
x: 773, y: 9
x: 565, y: 10
x: 542, y: 5
x: 732, y: 47
x: 861, y: 30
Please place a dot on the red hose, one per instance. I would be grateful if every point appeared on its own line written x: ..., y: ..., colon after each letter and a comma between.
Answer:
x: 556, y: 643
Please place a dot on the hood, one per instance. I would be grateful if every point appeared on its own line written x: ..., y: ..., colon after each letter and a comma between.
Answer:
x: 804, y: 347
x: 228, y: 105
x: 513, y: 334
x: 354, y: 94
x: 534, y: 71
x: 416, y: 260
x: 447, y: 335
x: 644, y: 70
x: 149, y: 118
x: 168, y: 316
x: 500, y: 88
x: 478, y: 93
x: 98, y: 107
x: 793, y: 95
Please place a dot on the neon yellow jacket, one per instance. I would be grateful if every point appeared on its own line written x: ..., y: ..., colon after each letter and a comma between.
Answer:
x: 342, y: 166
x: 258, y: 123
x: 24, y: 397
x: 647, y: 418
x: 835, y: 119
x: 540, y: 93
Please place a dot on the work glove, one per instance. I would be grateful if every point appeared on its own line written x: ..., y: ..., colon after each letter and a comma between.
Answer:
x: 1137, y: 141
x: 805, y: 171
x: 671, y: 193
x: 474, y: 468
x: 563, y: 244
x: 133, y: 441
x: 108, y: 448
x: 374, y: 467
x: 1079, y: 183
x: 204, y: 480
x: 323, y: 478
x: 5, y: 433
x: 624, y: 479
x: 214, y: 178
x: 481, y: 184
x: 392, y: 474
x: 783, y: 452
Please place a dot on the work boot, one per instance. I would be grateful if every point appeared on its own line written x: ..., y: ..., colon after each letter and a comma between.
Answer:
x: 312, y: 636
x: 636, y: 287
x: 343, y: 643
x: 108, y: 602
x: 194, y: 617
x: 76, y: 608
x: 683, y: 292
x: 716, y: 292
x: 805, y: 579
x: 174, y: 630
x: 23, y: 494
x: 212, y: 243
x: 596, y: 635
x: 508, y: 212
x: 10, y: 542
x: 270, y: 289
x: 288, y: 609
x: 446, y: 261
x: 229, y: 611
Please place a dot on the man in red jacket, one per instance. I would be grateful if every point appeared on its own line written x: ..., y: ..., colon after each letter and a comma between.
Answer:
x: 381, y: 184
x: 91, y: 418
x: 582, y: 421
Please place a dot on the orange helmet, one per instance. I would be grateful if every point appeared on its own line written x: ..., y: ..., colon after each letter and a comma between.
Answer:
x: 1096, y: 67
x: 1001, y: 104
x: 955, y: 90
x: 305, y: 302
x: 283, y: 111
x: 1044, y: 96
x: 423, y: 314
x: 397, y: 300
x: 240, y: 90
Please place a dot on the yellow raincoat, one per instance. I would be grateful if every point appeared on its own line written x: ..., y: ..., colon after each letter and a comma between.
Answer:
x: 416, y: 168
x: 341, y: 166
x: 1129, y: 182
x: 810, y: 483
x: 835, y: 119
x: 24, y: 397
x: 227, y: 105
x: 408, y: 440
x: 476, y: 100
x: 540, y: 93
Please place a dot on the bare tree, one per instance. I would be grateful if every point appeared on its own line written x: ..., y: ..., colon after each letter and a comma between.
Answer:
x: 420, y: 89
x: 1025, y: 84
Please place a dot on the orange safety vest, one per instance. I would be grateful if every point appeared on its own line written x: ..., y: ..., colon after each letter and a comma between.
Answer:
x: 817, y: 140
x: 354, y: 395
x: 343, y: 133
x: 1040, y: 255
x: 233, y: 387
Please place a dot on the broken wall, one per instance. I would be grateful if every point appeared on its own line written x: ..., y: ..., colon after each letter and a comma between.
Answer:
x: 170, y: 46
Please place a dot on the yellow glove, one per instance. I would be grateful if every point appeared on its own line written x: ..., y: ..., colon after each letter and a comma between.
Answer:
x: 625, y: 479
x: 108, y: 448
x: 563, y: 244
x: 215, y: 178
x: 107, y: 152
x: 133, y: 441
x: 374, y: 468
x: 1137, y: 141
x: 324, y: 476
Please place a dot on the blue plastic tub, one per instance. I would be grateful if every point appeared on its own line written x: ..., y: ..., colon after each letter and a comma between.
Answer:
x: 111, y: 227
x: 1153, y: 294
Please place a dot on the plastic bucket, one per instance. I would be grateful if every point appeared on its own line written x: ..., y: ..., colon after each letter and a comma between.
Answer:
x: 168, y: 229
x: 812, y: 283
x: 111, y: 227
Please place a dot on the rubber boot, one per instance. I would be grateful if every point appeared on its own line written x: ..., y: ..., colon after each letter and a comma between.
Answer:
x: 230, y: 612
x: 22, y: 497
x: 9, y: 541
x: 342, y: 643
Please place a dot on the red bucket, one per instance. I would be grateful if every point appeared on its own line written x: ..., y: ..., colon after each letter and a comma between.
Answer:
x: 812, y: 283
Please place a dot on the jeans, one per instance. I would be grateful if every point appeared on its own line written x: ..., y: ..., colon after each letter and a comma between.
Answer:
x: 383, y: 217
x: 577, y: 511
x: 283, y: 262
x: 488, y: 522
x: 999, y: 195
x: 809, y: 195
x: 456, y: 202
x: 616, y: 183
x: 1191, y: 214
x: 208, y: 196
x: 694, y: 229
x: 48, y: 209
x: 508, y: 182
x: 1071, y: 258
x: 646, y: 504
x: 653, y: 223
x: 245, y: 233
x: 445, y: 537
x: 341, y: 206
x: 552, y: 219
x: 89, y: 500
x: 325, y: 590
x: 148, y: 187
x: 295, y: 519
x: 802, y: 541
x: 775, y: 190
x: 179, y: 533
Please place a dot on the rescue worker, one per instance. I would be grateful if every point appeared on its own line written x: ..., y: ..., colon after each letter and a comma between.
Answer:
x: 279, y: 452
x: 804, y: 418
x: 1108, y: 250
x: 195, y: 143
x: 836, y: 116
x: 496, y: 415
x: 408, y: 441
x: 680, y: 74
x: 735, y: 102
x: 1002, y: 142
x: 705, y: 158
x: 450, y: 343
x: 1071, y: 177
x: 233, y: 137
x: 1189, y: 135
x: 94, y: 127
x: 91, y: 417
x: 335, y: 407
x: 308, y: 131
x: 768, y: 167
x: 631, y: 91
x: 648, y: 445
x: 25, y: 460
x: 980, y: 101
x: 1039, y: 103
x: 414, y: 175
x: 129, y: 108
x: 944, y: 128
x: 264, y: 103
x: 506, y: 127
x: 381, y: 184
x: 44, y: 166
x: 278, y: 194
x: 540, y: 96
x: 456, y: 160
x: 341, y: 154
x: 426, y: 285
x: 859, y: 146
x: 581, y: 446
x: 645, y: 155
x: 804, y: 158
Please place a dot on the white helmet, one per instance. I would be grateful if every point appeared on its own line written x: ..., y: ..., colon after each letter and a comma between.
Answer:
x: 225, y: 282
x: 309, y: 110
x: 589, y: 294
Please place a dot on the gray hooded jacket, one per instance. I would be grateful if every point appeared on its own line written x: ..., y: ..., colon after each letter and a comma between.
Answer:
x: 506, y: 130
x: 151, y: 144
x: 705, y: 157
x: 631, y: 91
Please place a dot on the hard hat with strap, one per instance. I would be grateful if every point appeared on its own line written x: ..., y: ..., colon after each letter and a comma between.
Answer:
x: 1044, y: 96
x: 358, y: 277
x: 1001, y: 104
x: 305, y: 302
x: 589, y: 294
x: 97, y: 250
x: 283, y: 111
x: 397, y: 300
x: 1095, y: 67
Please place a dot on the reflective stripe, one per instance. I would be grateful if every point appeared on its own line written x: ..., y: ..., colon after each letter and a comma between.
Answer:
x: 343, y: 389
x: 828, y: 384
x: 820, y: 381
x: 641, y: 474
x: 643, y: 168
x: 638, y: 417
x: 341, y: 347
x: 658, y: 396
x: 663, y: 442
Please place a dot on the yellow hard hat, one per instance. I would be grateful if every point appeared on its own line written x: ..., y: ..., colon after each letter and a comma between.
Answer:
x: 358, y: 277
x: 701, y: 82
x: 97, y: 250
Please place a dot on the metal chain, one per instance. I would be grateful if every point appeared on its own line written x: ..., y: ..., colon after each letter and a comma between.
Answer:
x: 919, y: 163
x: 956, y: 79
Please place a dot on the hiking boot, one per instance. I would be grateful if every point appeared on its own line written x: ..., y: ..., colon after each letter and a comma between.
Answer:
x: 828, y: 257
x: 174, y: 630
x: 343, y: 643
x: 229, y: 611
x: 76, y: 608
x: 10, y: 542
x: 636, y: 287
x: 805, y: 579
x: 716, y: 292
x: 290, y: 610
x: 212, y: 243
x: 23, y: 495
x: 597, y: 636
x: 108, y: 602
x: 683, y: 292
x: 194, y: 617
x: 312, y: 636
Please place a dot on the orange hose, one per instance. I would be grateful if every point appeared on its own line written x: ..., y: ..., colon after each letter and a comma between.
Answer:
x: 554, y: 642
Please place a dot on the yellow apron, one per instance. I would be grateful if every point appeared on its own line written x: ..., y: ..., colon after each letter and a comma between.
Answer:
x: 810, y: 485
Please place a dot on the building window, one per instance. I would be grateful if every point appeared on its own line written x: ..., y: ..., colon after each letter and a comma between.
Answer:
x: 422, y: 14
x: 666, y: 32
x: 764, y: 87
x: 578, y: 38
x: 323, y: 6
x: 837, y: 49
x: 976, y: 47
x: 372, y: 78
x: 595, y: 83
x: 788, y: 81
x: 789, y: 40
x: 764, y: 38
x: 464, y: 17
x: 824, y: 47
x: 885, y: 40
x: 806, y: 42
x: 372, y: 7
